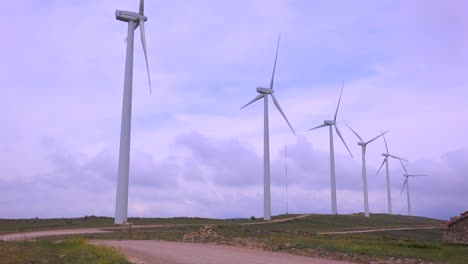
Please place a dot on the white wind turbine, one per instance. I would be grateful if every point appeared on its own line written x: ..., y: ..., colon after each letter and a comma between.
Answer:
x: 363, y: 145
x: 330, y: 124
x: 263, y: 93
x: 385, y: 161
x: 134, y: 20
x: 406, y: 182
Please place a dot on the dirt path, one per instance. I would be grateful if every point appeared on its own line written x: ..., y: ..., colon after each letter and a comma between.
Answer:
x: 276, y: 220
x: 29, y: 235
x: 164, y: 252
x: 378, y: 230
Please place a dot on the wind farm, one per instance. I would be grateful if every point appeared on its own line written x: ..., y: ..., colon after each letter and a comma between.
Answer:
x: 135, y: 20
x: 93, y: 173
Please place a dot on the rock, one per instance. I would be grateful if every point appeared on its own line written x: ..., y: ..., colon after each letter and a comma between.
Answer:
x: 206, y: 233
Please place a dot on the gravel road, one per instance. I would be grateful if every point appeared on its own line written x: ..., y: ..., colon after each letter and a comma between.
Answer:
x: 165, y: 252
x: 30, y: 235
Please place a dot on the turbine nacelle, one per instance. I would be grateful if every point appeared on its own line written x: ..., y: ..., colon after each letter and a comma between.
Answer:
x: 362, y: 144
x: 264, y: 90
x: 127, y: 16
x: 385, y: 154
x: 329, y: 122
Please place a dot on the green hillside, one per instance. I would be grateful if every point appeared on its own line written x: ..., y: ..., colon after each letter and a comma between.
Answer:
x: 294, y: 234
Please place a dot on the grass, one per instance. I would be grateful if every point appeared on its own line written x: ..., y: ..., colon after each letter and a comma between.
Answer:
x: 73, y: 251
x: 313, y: 223
x: 412, y: 244
x: 300, y: 236
x: 323, y: 223
x: 35, y: 224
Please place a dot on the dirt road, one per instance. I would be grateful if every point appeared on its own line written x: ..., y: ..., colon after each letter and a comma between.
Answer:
x: 164, y: 252
x: 276, y: 220
x: 29, y: 235
x: 378, y: 230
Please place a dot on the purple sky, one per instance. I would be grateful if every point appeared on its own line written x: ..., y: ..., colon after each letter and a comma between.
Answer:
x: 194, y: 153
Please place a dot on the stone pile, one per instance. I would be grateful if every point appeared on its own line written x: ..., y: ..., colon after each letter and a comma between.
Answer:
x: 206, y: 233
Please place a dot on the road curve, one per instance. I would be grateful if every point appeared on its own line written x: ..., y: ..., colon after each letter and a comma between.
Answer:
x: 165, y: 252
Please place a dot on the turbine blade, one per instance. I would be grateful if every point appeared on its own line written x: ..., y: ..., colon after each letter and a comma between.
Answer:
x: 355, y: 133
x: 342, y: 139
x: 322, y: 125
x: 281, y: 111
x: 376, y: 137
x: 383, y: 162
x: 142, y: 7
x: 417, y: 175
x: 386, y: 146
x: 403, y: 167
x: 274, y: 66
x: 143, y: 42
x: 402, y: 188
x: 339, y: 100
x: 260, y: 96
x: 398, y: 158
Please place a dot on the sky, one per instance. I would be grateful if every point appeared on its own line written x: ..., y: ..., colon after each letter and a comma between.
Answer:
x: 193, y: 151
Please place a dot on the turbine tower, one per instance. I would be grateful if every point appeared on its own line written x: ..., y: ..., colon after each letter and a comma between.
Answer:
x: 363, y: 145
x: 330, y: 124
x: 134, y: 20
x: 406, y: 182
x: 286, y: 174
x: 263, y: 93
x: 385, y: 161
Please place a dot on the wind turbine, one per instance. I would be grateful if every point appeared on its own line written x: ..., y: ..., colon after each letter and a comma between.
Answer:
x: 330, y: 124
x: 406, y: 175
x: 134, y: 20
x: 263, y: 93
x: 363, y: 145
x: 385, y: 161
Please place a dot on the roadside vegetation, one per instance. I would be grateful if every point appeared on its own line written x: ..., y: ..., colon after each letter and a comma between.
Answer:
x: 73, y: 251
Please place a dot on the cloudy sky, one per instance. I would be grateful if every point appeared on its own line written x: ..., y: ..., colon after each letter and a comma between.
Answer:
x: 193, y: 151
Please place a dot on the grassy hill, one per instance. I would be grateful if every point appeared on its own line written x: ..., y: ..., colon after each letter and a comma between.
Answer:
x: 37, y: 224
x: 322, y: 223
x: 314, y: 222
x: 296, y: 236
